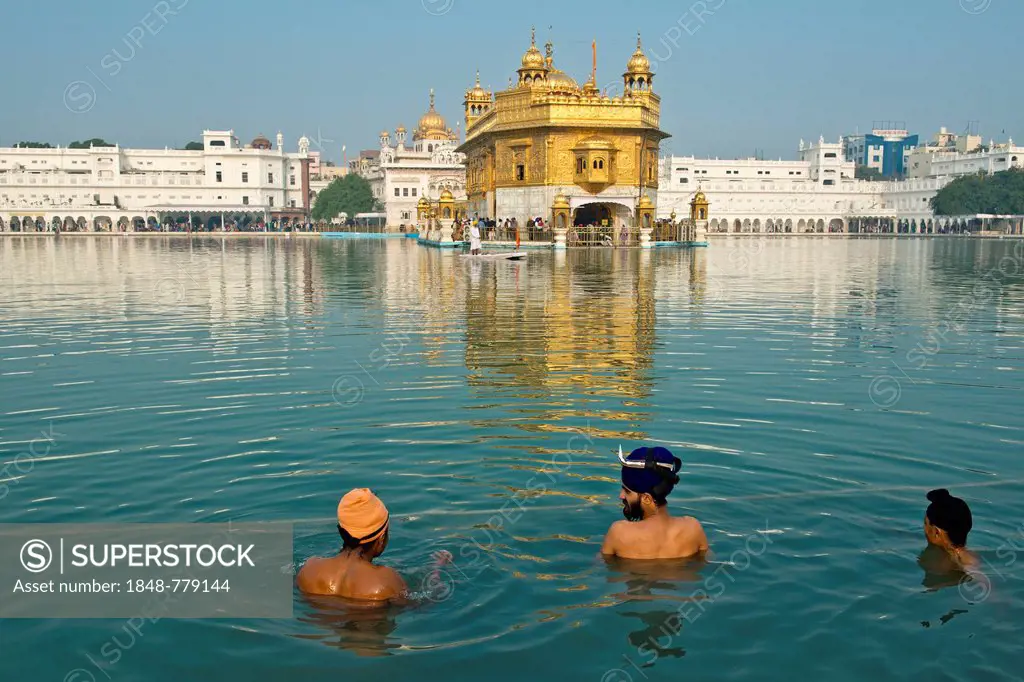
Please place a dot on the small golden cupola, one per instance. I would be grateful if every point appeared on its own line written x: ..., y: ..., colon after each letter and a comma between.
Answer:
x: 533, y: 69
x: 699, y: 207
x: 638, y: 76
x: 478, y: 102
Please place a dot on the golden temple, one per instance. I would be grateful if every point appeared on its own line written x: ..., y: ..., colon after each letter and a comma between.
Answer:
x: 549, y: 147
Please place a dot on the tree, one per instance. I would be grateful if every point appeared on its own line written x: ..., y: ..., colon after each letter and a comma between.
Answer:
x: 194, y: 147
x: 350, y: 194
x: 34, y: 145
x: 91, y: 142
x: 867, y: 173
x: 1001, y: 193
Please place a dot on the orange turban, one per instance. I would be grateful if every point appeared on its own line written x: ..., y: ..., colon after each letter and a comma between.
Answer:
x: 362, y: 515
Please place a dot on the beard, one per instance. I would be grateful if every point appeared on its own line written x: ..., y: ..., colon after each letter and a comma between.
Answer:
x: 633, y: 511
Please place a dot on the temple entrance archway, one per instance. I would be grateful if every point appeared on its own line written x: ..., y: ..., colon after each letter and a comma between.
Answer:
x: 600, y: 214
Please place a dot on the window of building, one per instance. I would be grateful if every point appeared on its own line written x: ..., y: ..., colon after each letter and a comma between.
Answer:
x: 270, y: 201
x: 830, y: 155
x: 683, y: 181
x: 405, y: 191
x: 760, y: 172
x: 270, y: 178
x: 219, y: 176
x: 767, y: 172
x: 414, y: 191
x: 293, y: 203
x: 875, y: 158
x: 291, y: 180
x: 216, y: 143
x: 245, y: 177
x: 829, y: 182
x: 398, y: 192
x: 245, y: 201
x: 520, y: 172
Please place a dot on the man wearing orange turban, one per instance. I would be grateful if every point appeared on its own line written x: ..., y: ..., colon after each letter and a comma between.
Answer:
x: 363, y: 525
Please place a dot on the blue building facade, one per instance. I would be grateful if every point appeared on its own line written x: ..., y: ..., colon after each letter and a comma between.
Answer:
x: 891, y: 153
x: 885, y: 150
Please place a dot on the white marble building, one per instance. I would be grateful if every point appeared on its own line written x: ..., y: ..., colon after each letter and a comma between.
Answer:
x: 814, y: 193
x: 818, y: 192
x: 927, y: 162
x: 400, y: 176
x: 115, y: 188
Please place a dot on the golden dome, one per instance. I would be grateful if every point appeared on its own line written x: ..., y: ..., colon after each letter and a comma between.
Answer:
x: 561, y: 201
x: 699, y: 198
x: 560, y: 80
x: 400, y: 129
x: 639, y: 63
x: 446, y: 195
x: 477, y: 92
x: 384, y: 133
x: 432, y: 121
x: 422, y: 203
x: 533, y: 59
x: 645, y: 202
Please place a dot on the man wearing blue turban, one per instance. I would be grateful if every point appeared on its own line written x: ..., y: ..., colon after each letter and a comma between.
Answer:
x: 649, y: 531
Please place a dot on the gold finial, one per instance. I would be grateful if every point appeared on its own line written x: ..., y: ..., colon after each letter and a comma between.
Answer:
x: 549, y: 50
x: 533, y: 36
x: 478, y: 78
x: 638, y: 44
x: 431, y: 98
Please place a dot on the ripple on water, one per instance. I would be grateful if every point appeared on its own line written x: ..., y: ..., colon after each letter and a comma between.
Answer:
x: 800, y: 381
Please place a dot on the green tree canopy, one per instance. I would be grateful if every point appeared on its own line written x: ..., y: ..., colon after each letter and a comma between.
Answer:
x: 194, y: 146
x: 92, y: 142
x: 1000, y: 193
x: 35, y: 145
x: 350, y: 194
x: 867, y: 173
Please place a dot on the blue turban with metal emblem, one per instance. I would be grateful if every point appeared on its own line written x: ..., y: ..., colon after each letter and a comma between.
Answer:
x: 650, y: 470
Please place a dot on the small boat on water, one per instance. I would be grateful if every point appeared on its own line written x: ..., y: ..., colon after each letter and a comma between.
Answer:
x: 515, y: 255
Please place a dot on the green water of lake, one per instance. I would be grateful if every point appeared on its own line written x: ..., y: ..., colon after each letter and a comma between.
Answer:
x: 815, y: 390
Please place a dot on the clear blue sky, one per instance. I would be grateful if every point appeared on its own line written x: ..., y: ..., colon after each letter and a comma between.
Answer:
x: 753, y: 75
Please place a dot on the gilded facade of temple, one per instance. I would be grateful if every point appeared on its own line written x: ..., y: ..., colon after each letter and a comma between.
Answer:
x: 546, y: 135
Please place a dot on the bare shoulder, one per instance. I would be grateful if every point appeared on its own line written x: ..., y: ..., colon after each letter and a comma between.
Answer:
x: 309, y: 575
x: 391, y: 584
x: 691, y: 529
x: 618, y: 527
x: 612, y: 538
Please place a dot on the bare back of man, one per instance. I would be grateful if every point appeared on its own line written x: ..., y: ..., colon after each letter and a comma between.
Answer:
x: 659, y: 536
x: 350, y: 576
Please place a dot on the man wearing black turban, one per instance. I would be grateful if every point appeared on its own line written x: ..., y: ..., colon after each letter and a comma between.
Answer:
x: 947, y: 521
x: 649, y: 531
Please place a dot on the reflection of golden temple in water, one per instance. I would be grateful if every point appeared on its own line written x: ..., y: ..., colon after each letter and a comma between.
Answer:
x: 230, y: 280
x: 588, y: 326
x: 579, y: 322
